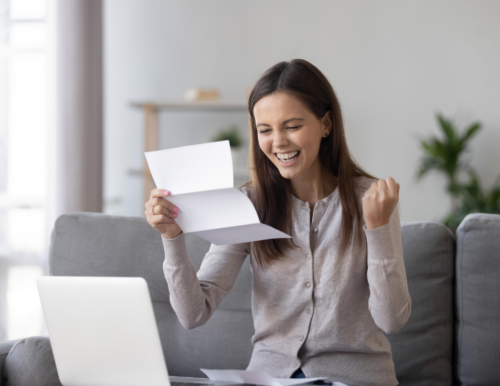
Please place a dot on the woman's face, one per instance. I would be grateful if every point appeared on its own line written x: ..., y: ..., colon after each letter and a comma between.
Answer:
x: 286, y: 128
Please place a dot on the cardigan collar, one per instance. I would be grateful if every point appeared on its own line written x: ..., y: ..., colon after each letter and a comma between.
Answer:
x: 332, y: 197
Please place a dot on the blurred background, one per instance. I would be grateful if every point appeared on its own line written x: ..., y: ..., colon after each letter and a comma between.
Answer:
x: 87, y: 86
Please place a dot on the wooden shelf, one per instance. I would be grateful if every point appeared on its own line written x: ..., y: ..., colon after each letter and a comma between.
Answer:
x: 193, y: 106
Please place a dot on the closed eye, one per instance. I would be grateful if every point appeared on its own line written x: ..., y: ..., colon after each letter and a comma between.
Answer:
x: 265, y: 131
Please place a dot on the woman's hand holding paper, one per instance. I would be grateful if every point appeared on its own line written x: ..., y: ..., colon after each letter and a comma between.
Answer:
x: 161, y: 214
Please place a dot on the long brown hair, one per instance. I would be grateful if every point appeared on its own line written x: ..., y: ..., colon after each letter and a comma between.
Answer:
x: 273, y: 201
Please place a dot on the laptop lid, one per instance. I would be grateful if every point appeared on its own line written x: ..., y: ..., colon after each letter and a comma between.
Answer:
x: 102, y: 331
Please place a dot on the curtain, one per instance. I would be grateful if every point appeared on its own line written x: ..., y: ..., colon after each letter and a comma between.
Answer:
x: 76, y: 159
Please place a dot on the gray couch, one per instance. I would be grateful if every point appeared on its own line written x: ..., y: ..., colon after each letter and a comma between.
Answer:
x: 451, y: 338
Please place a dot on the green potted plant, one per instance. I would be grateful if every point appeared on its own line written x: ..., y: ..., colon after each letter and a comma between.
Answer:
x: 233, y: 135
x: 445, y: 156
x: 473, y: 200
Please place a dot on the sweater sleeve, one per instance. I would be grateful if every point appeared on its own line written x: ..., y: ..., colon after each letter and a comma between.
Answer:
x: 389, y: 301
x: 194, y: 296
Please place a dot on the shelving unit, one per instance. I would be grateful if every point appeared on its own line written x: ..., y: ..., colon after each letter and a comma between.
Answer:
x: 152, y: 128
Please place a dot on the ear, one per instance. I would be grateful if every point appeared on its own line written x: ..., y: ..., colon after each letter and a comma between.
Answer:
x: 326, y: 121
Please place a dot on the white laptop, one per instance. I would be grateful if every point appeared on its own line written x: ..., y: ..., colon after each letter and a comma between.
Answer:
x: 103, y: 332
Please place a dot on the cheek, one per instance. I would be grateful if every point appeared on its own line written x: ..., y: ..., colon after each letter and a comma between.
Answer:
x: 309, y: 146
x: 265, y: 145
x: 302, y: 138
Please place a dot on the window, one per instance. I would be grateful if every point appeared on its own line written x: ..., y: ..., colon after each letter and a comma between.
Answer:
x: 23, y: 164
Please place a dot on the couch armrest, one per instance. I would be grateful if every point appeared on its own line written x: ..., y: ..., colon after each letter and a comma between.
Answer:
x: 30, y: 362
x: 4, y: 351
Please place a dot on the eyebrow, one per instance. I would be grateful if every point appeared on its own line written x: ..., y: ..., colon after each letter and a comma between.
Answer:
x: 283, y: 123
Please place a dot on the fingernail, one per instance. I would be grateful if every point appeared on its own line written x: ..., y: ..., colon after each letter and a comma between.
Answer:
x: 175, y: 215
x: 176, y: 209
x: 166, y: 192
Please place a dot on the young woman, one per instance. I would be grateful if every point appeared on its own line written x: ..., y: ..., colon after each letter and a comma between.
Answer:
x: 322, y: 300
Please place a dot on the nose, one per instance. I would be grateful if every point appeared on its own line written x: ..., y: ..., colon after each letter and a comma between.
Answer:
x: 280, y: 139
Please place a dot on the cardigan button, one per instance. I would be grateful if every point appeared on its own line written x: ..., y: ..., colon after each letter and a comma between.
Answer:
x: 301, y: 338
x: 315, y: 230
x: 308, y: 284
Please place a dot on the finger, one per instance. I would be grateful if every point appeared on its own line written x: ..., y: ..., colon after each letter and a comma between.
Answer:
x: 165, y: 203
x: 160, y: 209
x: 382, y: 184
x: 161, y: 219
x: 392, y: 187
x: 159, y: 193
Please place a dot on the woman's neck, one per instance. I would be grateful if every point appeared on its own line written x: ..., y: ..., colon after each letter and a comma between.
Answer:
x: 318, y: 184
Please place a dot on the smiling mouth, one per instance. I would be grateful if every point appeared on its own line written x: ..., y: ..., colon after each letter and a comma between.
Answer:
x: 289, y: 160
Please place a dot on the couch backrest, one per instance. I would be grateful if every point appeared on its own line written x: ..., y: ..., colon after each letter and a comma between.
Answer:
x: 93, y: 244
x: 478, y: 300
x: 423, y: 348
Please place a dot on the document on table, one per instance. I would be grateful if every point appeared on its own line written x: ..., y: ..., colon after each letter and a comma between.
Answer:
x: 258, y: 378
x: 201, y: 182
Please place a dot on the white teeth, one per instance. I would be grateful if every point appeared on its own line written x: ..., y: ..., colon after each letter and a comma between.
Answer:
x: 287, y: 155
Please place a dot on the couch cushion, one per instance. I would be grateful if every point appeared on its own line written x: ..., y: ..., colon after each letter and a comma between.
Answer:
x: 478, y: 300
x: 95, y: 244
x: 31, y: 362
x: 422, y: 348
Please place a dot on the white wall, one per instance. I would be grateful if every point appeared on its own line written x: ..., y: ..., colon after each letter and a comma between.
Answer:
x: 393, y: 65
